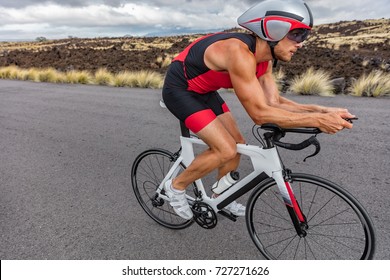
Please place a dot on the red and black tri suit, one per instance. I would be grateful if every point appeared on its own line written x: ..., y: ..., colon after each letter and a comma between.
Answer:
x: 190, y: 87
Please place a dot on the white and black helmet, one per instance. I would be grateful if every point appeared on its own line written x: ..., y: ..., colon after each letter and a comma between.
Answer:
x: 271, y: 20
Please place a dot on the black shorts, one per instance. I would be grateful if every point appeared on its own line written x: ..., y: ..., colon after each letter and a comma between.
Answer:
x: 194, y: 109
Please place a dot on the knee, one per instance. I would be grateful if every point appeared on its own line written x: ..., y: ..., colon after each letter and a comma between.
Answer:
x: 228, y: 152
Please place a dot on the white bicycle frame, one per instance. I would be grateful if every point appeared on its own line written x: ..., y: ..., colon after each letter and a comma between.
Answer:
x: 263, y: 161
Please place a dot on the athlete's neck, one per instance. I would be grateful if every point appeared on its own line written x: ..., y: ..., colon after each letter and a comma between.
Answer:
x: 263, y: 51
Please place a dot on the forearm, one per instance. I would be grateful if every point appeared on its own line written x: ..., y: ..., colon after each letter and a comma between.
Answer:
x: 291, y: 106
x: 286, y: 118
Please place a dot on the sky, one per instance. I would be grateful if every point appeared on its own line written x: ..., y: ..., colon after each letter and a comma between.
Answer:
x: 56, y: 19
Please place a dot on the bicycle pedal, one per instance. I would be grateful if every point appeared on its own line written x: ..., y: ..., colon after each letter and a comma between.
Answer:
x: 228, y: 215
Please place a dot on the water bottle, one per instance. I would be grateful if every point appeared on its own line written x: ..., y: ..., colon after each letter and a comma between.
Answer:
x: 225, y: 182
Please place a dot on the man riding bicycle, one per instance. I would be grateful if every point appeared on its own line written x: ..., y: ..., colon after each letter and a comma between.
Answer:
x: 244, y: 62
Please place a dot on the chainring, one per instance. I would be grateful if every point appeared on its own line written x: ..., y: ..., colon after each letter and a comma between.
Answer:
x: 204, y: 215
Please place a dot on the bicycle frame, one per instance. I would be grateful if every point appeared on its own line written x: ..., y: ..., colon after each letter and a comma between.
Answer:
x: 265, y: 162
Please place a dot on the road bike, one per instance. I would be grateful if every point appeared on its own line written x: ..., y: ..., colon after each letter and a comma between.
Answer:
x: 288, y: 215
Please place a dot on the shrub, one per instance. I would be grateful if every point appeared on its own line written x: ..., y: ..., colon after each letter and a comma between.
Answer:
x: 78, y: 77
x: 165, y: 61
x: 9, y: 72
x: 103, y: 77
x: 147, y: 79
x: 143, y: 79
x: 33, y: 75
x: 121, y: 79
x: 375, y: 84
x: 312, y: 82
x: 41, y: 39
x: 50, y: 75
x: 279, y: 78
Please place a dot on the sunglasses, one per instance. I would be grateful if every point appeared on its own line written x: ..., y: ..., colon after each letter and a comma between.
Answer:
x: 298, y: 35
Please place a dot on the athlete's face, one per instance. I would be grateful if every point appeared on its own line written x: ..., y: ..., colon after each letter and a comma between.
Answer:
x: 286, y: 49
x: 291, y: 43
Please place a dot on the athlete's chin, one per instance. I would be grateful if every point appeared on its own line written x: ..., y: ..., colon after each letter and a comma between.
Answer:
x: 284, y: 58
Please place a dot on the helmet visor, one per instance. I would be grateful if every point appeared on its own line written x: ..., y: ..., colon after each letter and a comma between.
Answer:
x: 298, y: 35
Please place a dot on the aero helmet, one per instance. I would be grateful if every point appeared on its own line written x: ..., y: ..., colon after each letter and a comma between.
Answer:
x: 271, y: 20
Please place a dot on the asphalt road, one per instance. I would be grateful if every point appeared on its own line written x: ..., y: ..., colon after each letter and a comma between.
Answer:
x: 65, y: 189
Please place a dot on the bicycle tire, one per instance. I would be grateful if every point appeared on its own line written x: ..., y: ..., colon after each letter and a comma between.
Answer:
x: 338, y: 226
x: 148, y: 170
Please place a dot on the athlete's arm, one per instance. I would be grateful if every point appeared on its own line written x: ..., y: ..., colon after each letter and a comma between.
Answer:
x: 235, y: 57
x: 271, y: 91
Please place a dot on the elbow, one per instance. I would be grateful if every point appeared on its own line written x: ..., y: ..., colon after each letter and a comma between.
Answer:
x: 263, y: 115
x: 273, y: 103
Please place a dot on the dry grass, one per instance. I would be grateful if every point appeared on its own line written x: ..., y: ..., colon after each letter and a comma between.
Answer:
x: 279, y: 78
x: 312, y: 82
x: 122, y: 79
x: 165, y: 61
x: 103, y: 77
x: 10, y: 72
x: 143, y: 79
x: 49, y: 75
x: 375, y: 84
x: 79, y: 77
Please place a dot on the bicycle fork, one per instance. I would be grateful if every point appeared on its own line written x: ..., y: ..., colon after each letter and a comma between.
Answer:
x: 294, y: 210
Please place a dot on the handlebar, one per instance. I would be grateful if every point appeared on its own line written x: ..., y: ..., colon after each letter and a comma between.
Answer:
x: 276, y: 133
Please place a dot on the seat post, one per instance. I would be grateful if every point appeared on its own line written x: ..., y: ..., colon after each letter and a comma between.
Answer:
x: 185, y: 132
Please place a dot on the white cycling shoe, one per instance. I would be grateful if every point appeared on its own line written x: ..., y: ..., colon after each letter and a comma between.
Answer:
x: 178, y: 201
x: 234, y: 207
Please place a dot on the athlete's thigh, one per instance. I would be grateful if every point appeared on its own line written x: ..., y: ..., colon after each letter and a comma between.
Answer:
x: 225, y: 116
x: 217, y: 137
x: 230, y: 124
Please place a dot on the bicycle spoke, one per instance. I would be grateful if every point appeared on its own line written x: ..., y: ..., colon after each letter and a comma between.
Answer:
x: 326, y: 248
x: 279, y: 229
x: 332, y: 217
x: 279, y: 215
x: 285, y: 248
x: 333, y: 238
x: 323, y: 206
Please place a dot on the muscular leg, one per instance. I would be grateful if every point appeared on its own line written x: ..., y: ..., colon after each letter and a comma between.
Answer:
x: 231, y: 126
x: 222, y: 151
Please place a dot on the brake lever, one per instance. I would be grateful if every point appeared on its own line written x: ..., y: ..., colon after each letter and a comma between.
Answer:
x: 350, y: 120
x: 313, y: 141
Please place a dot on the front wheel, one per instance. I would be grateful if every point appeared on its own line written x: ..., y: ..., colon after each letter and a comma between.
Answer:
x: 148, y: 171
x: 337, y: 226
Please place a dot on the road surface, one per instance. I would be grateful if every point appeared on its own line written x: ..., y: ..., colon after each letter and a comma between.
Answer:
x: 65, y: 188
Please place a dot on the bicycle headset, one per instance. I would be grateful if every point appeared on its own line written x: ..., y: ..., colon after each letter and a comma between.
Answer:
x: 272, y: 20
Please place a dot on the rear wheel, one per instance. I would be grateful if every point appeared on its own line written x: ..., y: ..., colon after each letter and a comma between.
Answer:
x: 148, y: 171
x: 338, y: 227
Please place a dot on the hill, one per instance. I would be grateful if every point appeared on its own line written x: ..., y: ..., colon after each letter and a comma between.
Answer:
x: 345, y: 49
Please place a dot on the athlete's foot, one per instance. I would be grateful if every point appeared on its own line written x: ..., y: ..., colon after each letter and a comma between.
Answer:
x: 234, y: 207
x: 178, y: 201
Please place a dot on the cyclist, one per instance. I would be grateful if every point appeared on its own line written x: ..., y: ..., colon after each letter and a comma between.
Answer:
x: 244, y: 62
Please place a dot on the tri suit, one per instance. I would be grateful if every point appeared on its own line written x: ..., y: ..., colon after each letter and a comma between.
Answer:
x: 190, y: 87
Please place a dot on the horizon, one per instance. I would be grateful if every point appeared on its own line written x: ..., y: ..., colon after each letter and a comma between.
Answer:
x: 151, y: 35
x: 59, y: 19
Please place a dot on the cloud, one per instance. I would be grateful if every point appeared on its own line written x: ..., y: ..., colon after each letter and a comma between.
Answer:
x: 28, y: 19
